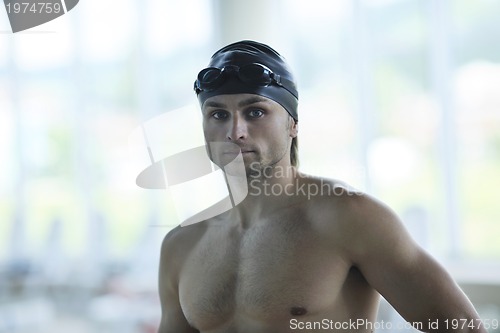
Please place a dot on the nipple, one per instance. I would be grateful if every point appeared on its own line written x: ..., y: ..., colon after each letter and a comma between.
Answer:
x: 298, y: 311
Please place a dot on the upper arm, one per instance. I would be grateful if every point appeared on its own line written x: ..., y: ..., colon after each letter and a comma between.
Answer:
x: 411, y: 280
x: 172, y: 316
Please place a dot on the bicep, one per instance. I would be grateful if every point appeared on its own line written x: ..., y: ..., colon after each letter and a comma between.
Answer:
x: 173, y: 319
x: 416, y: 286
x: 410, y: 279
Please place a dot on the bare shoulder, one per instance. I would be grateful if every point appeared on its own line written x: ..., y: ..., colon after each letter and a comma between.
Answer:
x: 356, y: 219
x: 344, y: 200
x: 181, y: 238
x: 337, y: 198
x: 177, y: 244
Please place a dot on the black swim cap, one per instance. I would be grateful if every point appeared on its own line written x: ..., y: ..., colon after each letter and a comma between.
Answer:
x: 282, y: 91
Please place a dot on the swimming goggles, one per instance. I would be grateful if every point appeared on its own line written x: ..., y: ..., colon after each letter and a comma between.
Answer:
x: 255, y: 74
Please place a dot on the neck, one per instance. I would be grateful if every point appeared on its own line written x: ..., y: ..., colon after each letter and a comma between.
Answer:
x: 269, y: 189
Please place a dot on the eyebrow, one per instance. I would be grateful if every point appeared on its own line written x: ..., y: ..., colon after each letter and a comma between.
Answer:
x: 251, y: 100
x: 211, y: 104
x: 245, y: 102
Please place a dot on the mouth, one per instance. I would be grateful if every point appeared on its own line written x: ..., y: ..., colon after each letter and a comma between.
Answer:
x: 243, y: 152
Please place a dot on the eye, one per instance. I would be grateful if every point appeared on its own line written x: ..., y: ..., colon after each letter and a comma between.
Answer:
x: 220, y: 115
x: 255, y: 113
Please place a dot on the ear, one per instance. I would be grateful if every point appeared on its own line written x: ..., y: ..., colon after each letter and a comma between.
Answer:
x: 294, y: 128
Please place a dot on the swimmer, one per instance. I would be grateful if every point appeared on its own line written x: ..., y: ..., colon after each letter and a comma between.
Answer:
x: 273, y: 260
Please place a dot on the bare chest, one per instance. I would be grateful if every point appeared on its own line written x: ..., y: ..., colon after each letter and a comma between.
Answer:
x: 265, y: 272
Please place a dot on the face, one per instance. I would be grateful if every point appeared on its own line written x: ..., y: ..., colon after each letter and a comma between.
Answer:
x: 257, y: 126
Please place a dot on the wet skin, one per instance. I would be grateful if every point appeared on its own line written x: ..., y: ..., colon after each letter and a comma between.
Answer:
x: 277, y: 259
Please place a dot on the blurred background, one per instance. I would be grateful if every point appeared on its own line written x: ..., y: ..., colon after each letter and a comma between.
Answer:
x: 400, y: 98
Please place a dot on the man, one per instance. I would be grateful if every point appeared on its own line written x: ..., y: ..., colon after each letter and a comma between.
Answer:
x: 299, y: 253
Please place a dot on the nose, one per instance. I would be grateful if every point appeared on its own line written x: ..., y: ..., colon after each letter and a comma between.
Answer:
x: 237, y: 129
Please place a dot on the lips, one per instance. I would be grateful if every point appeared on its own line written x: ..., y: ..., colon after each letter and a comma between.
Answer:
x: 237, y: 152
